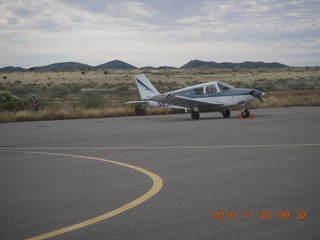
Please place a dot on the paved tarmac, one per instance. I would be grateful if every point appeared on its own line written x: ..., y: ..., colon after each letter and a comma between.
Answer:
x: 212, y: 178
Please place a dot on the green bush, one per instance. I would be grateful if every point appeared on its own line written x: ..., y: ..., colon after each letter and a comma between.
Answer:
x: 6, y: 96
x: 10, y: 102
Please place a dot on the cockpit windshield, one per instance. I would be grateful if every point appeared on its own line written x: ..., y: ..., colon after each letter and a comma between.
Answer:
x: 224, y: 86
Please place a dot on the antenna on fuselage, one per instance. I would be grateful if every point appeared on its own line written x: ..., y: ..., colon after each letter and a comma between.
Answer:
x: 183, y: 83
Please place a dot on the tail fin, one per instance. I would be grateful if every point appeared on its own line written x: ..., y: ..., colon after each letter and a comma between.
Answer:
x: 146, y: 89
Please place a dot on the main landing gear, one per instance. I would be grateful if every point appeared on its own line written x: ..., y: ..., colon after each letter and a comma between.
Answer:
x: 195, y: 115
x: 225, y: 113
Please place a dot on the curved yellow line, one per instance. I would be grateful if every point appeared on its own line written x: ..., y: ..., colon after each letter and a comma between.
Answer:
x: 156, y: 187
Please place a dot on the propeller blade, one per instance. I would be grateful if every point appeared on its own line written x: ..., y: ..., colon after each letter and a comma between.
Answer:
x: 250, y: 85
x: 258, y: 94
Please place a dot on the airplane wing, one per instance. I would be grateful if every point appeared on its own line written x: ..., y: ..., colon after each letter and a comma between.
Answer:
x: 185, y: 101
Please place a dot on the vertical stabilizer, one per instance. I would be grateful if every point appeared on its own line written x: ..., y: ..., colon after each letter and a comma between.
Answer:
x: 146, y: 89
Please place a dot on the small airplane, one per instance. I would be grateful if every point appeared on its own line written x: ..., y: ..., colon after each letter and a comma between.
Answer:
x: 211, y: 96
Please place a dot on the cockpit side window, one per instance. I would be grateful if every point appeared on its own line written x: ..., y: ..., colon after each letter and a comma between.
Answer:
x: 211, y: 89
x: 223, y: 87
x: 198, y: 91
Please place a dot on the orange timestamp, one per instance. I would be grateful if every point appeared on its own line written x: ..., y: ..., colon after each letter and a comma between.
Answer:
x: 264, y: 214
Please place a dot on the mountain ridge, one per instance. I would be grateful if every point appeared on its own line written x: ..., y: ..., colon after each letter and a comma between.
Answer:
x: 117, y: 64
x: 246, y: 64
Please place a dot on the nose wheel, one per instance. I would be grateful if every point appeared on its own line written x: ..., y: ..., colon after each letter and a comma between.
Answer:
x: 245, y: 113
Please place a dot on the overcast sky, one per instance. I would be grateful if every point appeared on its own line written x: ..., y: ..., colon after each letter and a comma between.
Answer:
x: 157, y: 33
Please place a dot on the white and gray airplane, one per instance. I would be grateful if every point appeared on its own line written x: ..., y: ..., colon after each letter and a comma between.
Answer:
x: 211, y: 96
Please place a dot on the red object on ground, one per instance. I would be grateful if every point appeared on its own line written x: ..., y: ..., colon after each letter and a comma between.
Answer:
x: 250, y: 116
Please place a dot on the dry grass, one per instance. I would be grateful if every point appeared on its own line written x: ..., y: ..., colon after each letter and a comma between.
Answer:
x: 70, y: 76
x: 75, y: 113
x: 272, y: 99
x: 283, y: 86
x: 294, y: 98
x: 164, y: 75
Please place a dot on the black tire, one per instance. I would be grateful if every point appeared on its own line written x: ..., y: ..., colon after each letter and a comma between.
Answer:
x: 226, y: 113
x: 195, y: 115
x: 245, y: 113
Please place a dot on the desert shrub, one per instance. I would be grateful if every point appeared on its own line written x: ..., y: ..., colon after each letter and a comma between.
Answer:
x: 74, y: 88
x: 16, y: 105
x: 59, y: 91
x: 10, y: 102
x: 140, y: 110
x: 122, y: 90
x: 6, y: 96
x: 91, y: 100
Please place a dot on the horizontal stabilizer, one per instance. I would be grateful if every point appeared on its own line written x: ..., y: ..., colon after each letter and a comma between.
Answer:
x: 137, y: 102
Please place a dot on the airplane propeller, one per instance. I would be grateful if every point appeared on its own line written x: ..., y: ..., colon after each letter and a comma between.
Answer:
x: 256, y: 93
x: 260, y: 99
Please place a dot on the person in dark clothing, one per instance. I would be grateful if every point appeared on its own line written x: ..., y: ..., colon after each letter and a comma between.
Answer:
x: 35, y: 102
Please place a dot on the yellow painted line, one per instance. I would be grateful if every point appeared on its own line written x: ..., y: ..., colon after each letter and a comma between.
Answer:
x: 172, y: 147
x: 156, y: 187
x: 157, y: 181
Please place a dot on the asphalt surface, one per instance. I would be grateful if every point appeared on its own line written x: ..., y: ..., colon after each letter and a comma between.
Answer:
x: 263, y: 173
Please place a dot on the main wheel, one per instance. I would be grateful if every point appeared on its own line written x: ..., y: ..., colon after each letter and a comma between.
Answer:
x: 226, y: 113
x: 245, y: 113
x: 195, y: 115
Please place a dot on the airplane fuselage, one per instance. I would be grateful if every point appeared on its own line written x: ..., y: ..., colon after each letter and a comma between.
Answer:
x: 217, y: 92
x: 211, y: 96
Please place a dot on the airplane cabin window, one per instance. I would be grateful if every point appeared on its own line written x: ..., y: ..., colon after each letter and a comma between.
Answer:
x: 211, y: 89
x: 198, y: 91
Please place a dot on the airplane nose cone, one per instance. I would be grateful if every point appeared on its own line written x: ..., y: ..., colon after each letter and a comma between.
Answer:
x: 258, y: 94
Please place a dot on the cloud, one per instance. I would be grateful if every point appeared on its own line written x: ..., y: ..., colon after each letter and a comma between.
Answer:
x: 160, y: 32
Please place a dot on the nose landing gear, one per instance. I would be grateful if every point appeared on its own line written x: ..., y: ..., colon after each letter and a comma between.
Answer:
x: 245, y: 113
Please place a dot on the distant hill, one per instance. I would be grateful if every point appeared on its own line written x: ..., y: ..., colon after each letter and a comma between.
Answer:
x: 166, y: 67
x: 63, y: 66
x: 147, y: 67
x: 204, y: 64
x: 115, y: 64
x: 160, y: 67
x: 12, y: 69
